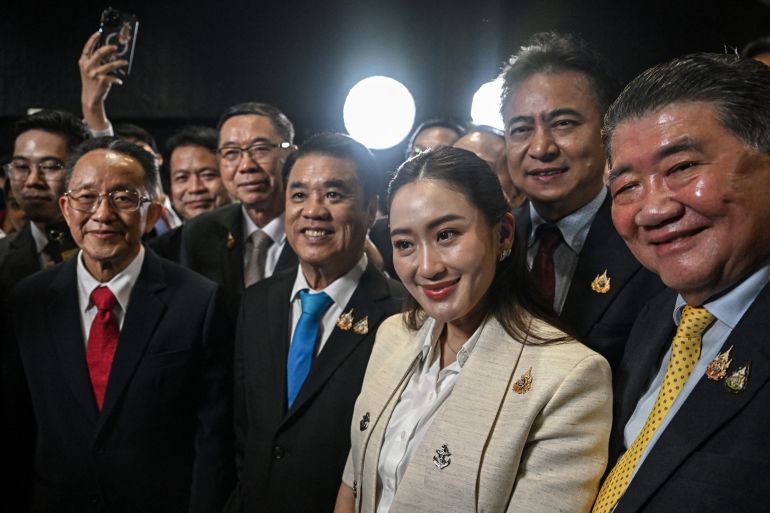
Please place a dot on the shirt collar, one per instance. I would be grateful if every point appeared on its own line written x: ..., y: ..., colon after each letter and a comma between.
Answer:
x: 340, y: 290
x: 729, y: 308
x: 120, y: 285
x: 274, y: 229
x: 39, y: 236
x: 574, y: 227
x: 434, y: 330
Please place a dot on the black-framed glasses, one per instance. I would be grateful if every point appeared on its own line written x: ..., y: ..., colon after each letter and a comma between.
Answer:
x: 19, y: 170
x: 258, y: 152
x: 120, y: 200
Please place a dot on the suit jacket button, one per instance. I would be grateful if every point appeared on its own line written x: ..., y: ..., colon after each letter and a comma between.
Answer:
x: 277, y: 452
x: 100, y: 452
x: 94, y: 499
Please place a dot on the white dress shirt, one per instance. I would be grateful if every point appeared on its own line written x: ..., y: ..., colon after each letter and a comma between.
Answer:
x: 120, y: 285
x: 275, y: 230
x: 340, y: 290
x: 427, y: 391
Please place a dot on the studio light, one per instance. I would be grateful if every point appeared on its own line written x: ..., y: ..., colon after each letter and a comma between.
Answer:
x: 379, y: 112
x: 485, y: 108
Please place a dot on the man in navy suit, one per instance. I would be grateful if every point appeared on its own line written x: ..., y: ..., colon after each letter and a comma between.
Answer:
x: 116, y: 374
x: 292, y: 419
x: 555, y: 92
x: 689, y: 177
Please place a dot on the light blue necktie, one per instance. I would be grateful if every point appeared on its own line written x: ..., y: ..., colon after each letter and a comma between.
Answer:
x: 303, y: 341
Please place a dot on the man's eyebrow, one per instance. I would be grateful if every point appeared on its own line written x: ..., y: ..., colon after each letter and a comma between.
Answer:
x: 520, y: 119
x: 616, y: 172
x: 683, y: 144
x: 566, y: 111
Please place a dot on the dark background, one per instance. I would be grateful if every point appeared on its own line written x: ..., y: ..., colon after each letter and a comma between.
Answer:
x: 193, y: 59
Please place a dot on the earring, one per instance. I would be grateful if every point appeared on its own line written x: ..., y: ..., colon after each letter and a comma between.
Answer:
x: 504, y: 254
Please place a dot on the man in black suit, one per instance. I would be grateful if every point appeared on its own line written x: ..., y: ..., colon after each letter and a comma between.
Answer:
x: 689, y: 176
x: 242, y: 243
x: 554, y: 95
x: 292, y: 416
x: 124, y: 358
x: 42, y: 142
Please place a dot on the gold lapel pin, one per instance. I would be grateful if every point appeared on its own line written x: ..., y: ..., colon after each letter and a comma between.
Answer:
x: 601, y: 283
x: 717, y: 369
x: 361, y: 327
x: 524, y: 383
x: 230, y: 241
x: 66, y: 255
x: 737, y: 381
x: 345, y: 321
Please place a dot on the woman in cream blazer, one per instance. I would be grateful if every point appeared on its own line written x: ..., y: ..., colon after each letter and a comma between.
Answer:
x: 526, y: 424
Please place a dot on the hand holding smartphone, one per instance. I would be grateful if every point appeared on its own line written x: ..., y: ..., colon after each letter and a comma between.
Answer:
x: 119, y: 29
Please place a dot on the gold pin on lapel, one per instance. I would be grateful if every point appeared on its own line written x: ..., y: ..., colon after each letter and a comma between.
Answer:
x: 737, y: 381
x: 601, y: 284
x: 361, y: 327
x: 717, y: 369
x: 230, y: 241
x: 345, y: 321
x: 524, y: 383
x: 66, y: 255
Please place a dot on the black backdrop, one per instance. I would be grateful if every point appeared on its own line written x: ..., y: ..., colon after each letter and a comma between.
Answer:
x: 193, y: 59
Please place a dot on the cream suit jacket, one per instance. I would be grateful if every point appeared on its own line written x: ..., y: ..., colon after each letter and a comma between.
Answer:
x: 536, y: 451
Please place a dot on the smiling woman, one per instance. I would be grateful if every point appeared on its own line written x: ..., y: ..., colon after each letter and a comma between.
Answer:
x: 474, y: 383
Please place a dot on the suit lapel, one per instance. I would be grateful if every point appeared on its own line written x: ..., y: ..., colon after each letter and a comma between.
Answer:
x: 288, y: 258
x: 370, y: 290
x: 278, y: 306
x: 472, y: 407
x: 709, y: 406
x: 67, y: 336
x: 232, y: 253
x: 144, y: 311
x: 603, y: 250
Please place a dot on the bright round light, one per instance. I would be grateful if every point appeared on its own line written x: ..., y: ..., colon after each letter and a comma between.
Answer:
x: 485, y: 108
x: 379, y: 112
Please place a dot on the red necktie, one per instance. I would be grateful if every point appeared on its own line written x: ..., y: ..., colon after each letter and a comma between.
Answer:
x: 102, y: 341
x: 542, y: 267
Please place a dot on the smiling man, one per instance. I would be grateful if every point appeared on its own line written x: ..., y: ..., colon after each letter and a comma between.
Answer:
x: 555, y: 92
x: 123, y: 357
x: 304, y: 336
x: 689, y: 177
x: 240, y: 244
x: 42, y: 142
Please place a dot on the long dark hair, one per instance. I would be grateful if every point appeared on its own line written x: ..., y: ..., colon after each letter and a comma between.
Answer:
x: 513, y: 298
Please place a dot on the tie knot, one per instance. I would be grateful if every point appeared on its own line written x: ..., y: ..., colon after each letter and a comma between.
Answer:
x: 314, y: 304
x: 694, y: 321
x: 260, y: 240
x: 549, y: 236
x: 103, y: 299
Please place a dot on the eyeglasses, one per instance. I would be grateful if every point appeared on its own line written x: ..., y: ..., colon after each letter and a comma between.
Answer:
x: 258, y: 152
x: 18, y: 171
x: 120, y: 200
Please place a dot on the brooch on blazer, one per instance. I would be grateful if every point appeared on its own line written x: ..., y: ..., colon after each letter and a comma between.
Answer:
x: 360, y: 327
x: 717, y: 369
x: 364, y: 422
x: 737, y: 381
x: 601, y: 284
x: 230, y: 241
x: 442, y: 459
x: 524, y: 383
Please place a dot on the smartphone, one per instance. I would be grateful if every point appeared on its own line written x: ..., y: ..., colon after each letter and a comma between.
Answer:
x: 119, y: 28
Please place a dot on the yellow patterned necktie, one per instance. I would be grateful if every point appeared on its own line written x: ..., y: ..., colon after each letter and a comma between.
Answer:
x: 685, y: 351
